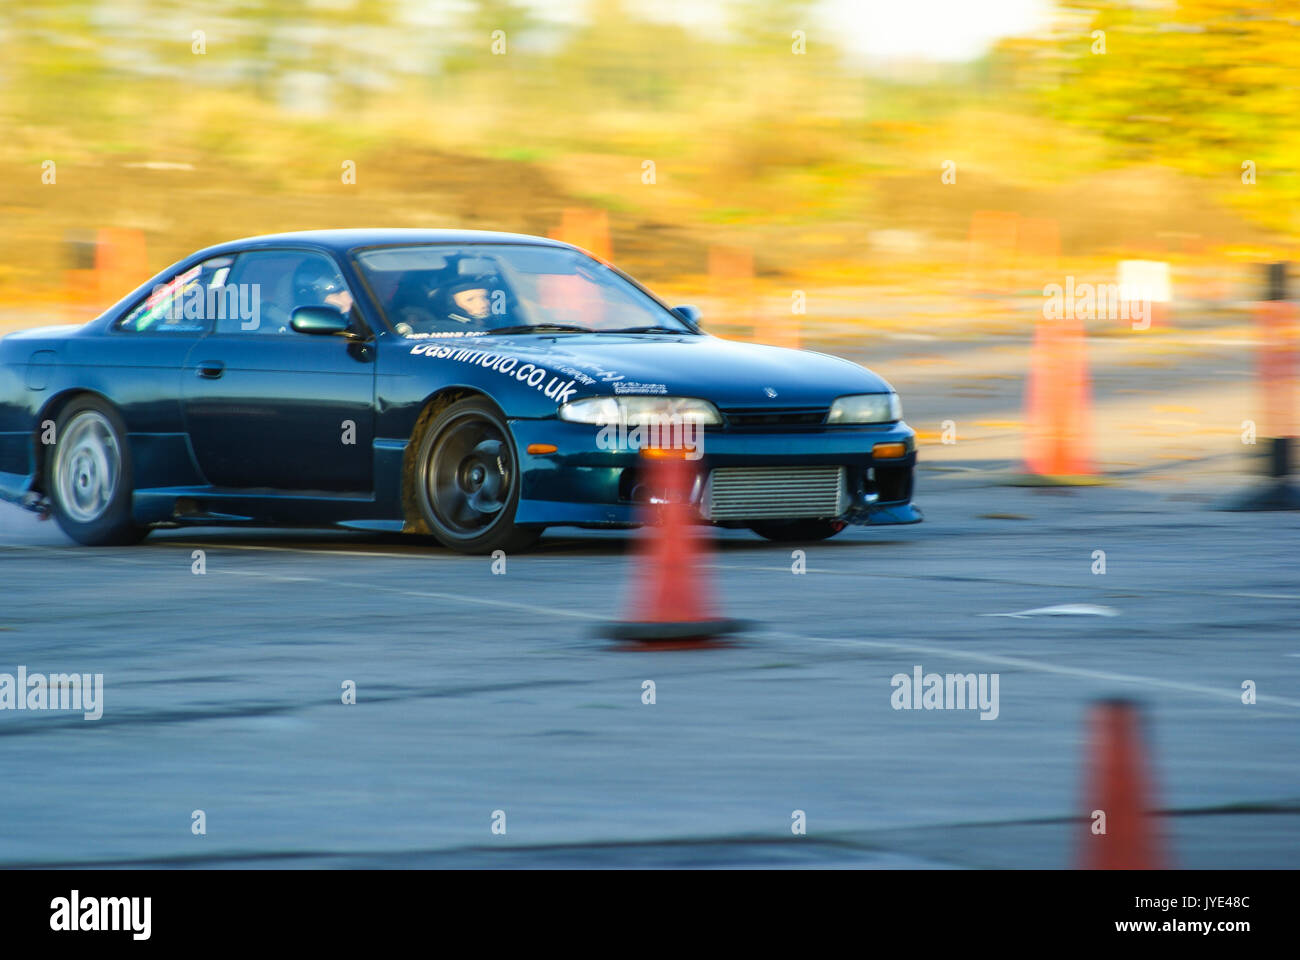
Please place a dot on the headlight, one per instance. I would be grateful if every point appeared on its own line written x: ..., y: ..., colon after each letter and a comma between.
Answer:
x: 866, y: 408
x: 634, y: 409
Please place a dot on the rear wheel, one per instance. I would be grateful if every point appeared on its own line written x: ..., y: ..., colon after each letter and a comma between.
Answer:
x: 466, y: 482
x: 88, y: 475
x: 797, y: 531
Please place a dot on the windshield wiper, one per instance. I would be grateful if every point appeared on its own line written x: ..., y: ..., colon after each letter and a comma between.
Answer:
x: 542, y: 328
x: 649, y: 329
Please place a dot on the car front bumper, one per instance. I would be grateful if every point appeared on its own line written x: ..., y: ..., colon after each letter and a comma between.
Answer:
x: 579, y: 483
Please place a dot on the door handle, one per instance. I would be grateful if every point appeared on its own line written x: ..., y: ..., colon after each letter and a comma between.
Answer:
x: 212, y: 370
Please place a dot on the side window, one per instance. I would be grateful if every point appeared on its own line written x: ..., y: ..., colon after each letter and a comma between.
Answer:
x: 277, y: 282
x: 185, y: 304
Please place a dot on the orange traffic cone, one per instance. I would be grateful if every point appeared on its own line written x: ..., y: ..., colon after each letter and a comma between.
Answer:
x: 1121, y: 834
x: 992, y: 251
x: 731, y: 282
x: 1058, y: 423
x: 1278, y: 325
x: 105, y: 268
x: 672, y: 601
x: 587, y: 229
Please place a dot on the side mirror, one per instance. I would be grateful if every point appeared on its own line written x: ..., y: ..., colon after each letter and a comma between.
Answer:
x: 689, y: 313
x: 322, y: 321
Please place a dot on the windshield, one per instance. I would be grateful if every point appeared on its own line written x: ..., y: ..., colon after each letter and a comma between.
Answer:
x: 450, y: 290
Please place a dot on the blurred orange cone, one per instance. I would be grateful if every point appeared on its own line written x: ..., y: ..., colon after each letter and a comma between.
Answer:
x: 104, y: 269
x: 1278, y: 325
x: 673, y: 590
x: 1038, y: 251
x: 731, y: 281
x: 80, y: 279
x: 588, y: 229
x: 1058, y: 425
x: 569, y: 294
x: 1124, y: 836
x: 121, y: 260
x: 992, y: 251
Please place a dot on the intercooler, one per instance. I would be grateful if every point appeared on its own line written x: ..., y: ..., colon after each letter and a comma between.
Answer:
x: 764, y: 493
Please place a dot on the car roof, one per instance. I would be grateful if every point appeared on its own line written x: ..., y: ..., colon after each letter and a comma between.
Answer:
x: 336, y: 241
x: 342, y: 240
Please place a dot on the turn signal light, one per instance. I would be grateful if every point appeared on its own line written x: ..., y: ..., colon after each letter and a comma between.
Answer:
x: 542, y: 448
x: 888, y: 451
x: 667, y: 453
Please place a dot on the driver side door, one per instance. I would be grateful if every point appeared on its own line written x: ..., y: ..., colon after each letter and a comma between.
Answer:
x: 267, y: 407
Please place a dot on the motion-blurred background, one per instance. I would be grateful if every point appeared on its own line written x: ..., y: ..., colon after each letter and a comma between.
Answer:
x: 858, y: 176
x: 899, y: 182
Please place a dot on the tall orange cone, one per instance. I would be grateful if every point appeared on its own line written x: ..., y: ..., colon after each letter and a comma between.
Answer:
x: 121, y: 261
x: 992, y: 251
x: 80, y: 279
x: 731, y: 282
x: 1278, y: 322
x: 1038, y: 250
x: 1121, y: 832
x: 104, y: 268
x: 586, y: 228
x: 1278, y: 325
x: 1058, y: 428
x: 672, y: 587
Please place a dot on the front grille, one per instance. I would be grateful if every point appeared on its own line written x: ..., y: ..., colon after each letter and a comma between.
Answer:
x: 770, y: 493
x: 777, y: 417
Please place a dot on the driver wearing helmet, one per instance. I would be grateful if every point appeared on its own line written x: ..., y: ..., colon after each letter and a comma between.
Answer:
x: 456, y: 307
x: 465, y: 303
x: 318, y: 284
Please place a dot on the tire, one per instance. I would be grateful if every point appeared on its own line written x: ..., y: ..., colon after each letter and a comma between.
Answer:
x: 466, y: 480
x: 88, y: 475
x: 798, y: 531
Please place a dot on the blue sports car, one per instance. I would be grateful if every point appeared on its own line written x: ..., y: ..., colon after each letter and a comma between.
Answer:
x: 476, y: 387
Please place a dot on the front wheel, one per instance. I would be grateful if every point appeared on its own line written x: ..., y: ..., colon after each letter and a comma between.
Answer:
x: 88, y: 475
x: 798, y: 531
x: 466, y: 482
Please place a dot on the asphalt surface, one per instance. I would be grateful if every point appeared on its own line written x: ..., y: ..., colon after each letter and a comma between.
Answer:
x: 479, y: 692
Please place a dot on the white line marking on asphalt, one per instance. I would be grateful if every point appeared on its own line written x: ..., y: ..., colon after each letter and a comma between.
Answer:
x: 274, y: 577
x: 1035, y: 665
x: 508, y: 604
x: 311, y: 550
x: 744, y: 568
x: 401, y: 591
x: 1000, y: 660
x: 1061, y: 610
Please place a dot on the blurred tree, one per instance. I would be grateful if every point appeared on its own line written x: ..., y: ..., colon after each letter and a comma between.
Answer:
x: 485, y: 18
x: 768, y: 24
x: 1200, y: 85
x: 618, y: 59
x: 55, y: 59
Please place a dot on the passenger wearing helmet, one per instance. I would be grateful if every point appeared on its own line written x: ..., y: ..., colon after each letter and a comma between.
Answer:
x: 317, y: 284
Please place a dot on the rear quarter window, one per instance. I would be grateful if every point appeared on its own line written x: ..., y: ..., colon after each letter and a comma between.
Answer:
x: 181, y: 305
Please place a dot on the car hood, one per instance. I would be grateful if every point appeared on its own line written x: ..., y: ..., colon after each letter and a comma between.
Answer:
x: 730, y: 373
x: 59, y: 331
